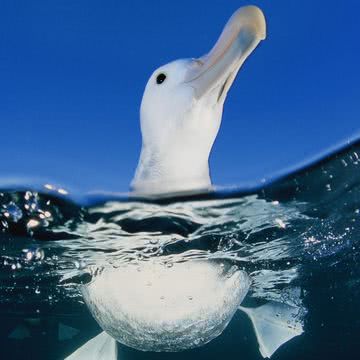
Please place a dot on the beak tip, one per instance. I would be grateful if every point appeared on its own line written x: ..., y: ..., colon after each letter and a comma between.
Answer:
x: 253, y: 17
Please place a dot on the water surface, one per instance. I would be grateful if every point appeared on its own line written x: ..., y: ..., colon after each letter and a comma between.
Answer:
x: 296, y: 236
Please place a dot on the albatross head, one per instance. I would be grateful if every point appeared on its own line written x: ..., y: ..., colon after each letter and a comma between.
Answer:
x: 182, y: 107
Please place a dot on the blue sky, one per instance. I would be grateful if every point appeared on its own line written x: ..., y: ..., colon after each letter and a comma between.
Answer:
x: 72, y: 73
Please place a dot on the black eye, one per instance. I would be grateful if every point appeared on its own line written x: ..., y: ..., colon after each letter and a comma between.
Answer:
x: 160, y: 78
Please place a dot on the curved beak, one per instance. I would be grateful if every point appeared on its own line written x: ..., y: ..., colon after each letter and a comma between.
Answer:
x: 217, y: 69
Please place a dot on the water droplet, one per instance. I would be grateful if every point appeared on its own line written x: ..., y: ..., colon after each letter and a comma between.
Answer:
x: 280, y: 223
x: 190, y: 297
x: 4, y: 225
x: 37, y: 291
x: 28, y: 195
x: 63, y: 191
x: 33, y: 223
x: 39, y: 254
x: 13, y: 212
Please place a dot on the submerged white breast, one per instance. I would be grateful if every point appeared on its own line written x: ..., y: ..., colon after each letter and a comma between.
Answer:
x: 152, y: 307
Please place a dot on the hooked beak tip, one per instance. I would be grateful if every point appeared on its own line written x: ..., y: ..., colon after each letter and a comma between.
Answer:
x: 240, y: 36
x: 252, y: 17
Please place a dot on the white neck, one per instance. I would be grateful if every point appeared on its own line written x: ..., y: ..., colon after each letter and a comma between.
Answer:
x: 173, y: 171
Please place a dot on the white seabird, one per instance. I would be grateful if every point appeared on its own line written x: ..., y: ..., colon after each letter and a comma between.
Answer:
x: 182, y: 107
x: 150, y: 306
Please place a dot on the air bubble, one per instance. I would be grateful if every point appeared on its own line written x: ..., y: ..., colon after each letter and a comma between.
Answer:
x: 34, y: 254
x: 232, y: 271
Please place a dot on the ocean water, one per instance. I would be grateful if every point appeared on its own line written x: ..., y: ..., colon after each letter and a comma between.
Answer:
x: 297, y: 237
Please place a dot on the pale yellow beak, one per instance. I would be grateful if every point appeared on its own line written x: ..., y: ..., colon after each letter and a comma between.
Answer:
x: 241, y: 35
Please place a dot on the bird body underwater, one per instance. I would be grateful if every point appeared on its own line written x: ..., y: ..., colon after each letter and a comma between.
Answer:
x: 180, y: 116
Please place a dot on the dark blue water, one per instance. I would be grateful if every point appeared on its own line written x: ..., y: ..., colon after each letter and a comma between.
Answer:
x: 297, y: 237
